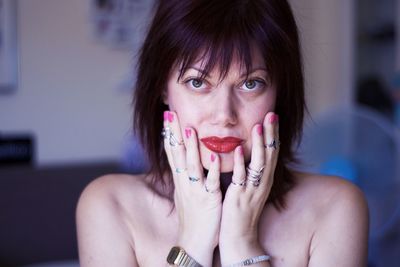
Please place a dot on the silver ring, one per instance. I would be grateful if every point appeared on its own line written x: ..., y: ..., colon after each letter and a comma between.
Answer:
x: 180, y: 170
x: 173, y: 141
x: 168, y: 134
x: 253, y: 173
x: 253, y: 176
x: 165, y: 132
x: 210, y: 191
x: 194, y: 179
x: 243, y: 183
x: 274, y: 144
x: 255, y: 183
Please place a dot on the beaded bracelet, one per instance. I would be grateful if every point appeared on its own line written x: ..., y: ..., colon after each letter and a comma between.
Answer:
x: 250, y: 261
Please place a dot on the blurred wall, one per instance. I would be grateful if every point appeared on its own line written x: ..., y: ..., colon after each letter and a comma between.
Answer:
x: 68, y: 94
x: 327, y: 31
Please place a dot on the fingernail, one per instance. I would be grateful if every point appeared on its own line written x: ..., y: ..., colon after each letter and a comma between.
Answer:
x: 259, y: 129
x: 170, y: 117
x: 274, y: 118
x: 188, y: 132
x: 212, y: 157
x: 241, y: 150
x: 165, y: 115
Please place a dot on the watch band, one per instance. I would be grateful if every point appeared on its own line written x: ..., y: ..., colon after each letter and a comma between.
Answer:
x: 178, y: 257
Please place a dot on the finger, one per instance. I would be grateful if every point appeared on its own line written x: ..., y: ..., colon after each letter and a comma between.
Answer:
x: 239, y: 171
x: 176, y: 144
x: 257, y: 162
x: 193, y: 162
x: 167, y: 146
x: 212, y: 183
x: 271, y: 138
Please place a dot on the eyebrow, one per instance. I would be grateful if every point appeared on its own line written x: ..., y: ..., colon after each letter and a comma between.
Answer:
x: 241, y: 75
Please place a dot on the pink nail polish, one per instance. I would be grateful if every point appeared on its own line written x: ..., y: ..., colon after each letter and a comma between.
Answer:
x: 212, y: 157
x: 188, y: 133
x: 170, y: 117
x: 259, y: 129
x: 274, y: 118
x: 165, y: 115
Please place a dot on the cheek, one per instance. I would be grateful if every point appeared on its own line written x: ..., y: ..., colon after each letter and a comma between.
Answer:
x: 189, y: 112
x: 252, y: 116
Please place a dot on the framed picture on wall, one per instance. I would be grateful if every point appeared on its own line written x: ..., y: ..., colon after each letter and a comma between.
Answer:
x: 8, y: 46
x: 120, y: 24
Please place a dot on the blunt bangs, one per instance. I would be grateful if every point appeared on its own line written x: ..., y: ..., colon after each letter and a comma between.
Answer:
x: 231, y: 32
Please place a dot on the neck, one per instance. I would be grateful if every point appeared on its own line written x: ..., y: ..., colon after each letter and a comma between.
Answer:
x: 225, y: 180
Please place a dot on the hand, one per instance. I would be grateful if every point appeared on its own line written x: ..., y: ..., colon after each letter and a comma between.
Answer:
x: 199, y: 211
x: 243, y: 204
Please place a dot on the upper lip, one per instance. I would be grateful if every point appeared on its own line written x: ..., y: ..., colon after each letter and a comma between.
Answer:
x: 227, y: 139
x: 221, y: 144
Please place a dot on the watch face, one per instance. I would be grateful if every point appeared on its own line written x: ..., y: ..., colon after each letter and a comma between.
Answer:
x: 173, y: 253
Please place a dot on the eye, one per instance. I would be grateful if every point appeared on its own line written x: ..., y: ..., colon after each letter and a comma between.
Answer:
x: 253, y: 85
x: 196, y: 84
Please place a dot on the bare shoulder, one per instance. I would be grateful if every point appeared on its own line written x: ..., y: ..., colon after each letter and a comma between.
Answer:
x: 103, y: 231
x: 340, y: 233
x: 330, y: 198
x: 328, y: 191
x: 113, y: 188
x: 110, y: 195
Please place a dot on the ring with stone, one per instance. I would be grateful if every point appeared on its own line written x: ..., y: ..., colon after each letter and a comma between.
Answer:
x: 193, y: 178
x: 180, y: 170
x: 274, y: 144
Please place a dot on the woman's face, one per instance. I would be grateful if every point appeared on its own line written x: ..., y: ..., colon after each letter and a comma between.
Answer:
x: 222, y: 113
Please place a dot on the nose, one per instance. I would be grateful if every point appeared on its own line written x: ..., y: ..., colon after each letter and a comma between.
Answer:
x: 224, y: 108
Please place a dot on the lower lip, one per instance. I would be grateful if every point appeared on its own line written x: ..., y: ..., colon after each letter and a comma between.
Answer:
x: 221, y: 147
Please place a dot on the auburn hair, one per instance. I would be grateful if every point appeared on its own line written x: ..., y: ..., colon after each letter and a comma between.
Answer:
x: 184, y: 30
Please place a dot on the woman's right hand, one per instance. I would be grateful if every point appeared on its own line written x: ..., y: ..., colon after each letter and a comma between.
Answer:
x: 198, y: 200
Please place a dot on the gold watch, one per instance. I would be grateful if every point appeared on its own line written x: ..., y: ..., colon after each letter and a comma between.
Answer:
x: 178, y: 257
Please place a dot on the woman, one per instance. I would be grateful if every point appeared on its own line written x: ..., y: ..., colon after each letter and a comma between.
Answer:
x: 222, y: 81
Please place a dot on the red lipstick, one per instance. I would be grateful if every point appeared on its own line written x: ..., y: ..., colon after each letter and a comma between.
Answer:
x: 221, y: 145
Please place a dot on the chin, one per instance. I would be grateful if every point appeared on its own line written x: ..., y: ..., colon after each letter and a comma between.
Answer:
x: 226, y: 163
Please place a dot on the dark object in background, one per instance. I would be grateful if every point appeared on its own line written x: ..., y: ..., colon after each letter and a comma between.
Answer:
x: 371, y: 92
x: 37, y: 211
x: 16, y: 150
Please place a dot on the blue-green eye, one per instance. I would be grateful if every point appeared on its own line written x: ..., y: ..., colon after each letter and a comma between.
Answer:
x: 196, y: 84
x: 252, y: 85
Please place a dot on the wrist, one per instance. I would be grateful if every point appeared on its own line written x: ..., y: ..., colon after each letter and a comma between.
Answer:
x: 257, y: 261
x: 178, y: 256
x: 203, y: 254
x: 235, y: 243
x: 233, y: 252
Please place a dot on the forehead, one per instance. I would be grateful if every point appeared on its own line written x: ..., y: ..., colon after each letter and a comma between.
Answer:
x: 237, y: 60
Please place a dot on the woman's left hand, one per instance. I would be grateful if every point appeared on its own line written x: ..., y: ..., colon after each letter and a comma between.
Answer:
x: 244, y: 203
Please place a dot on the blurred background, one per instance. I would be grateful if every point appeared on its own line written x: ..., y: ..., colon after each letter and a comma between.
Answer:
x: 66, y: 75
